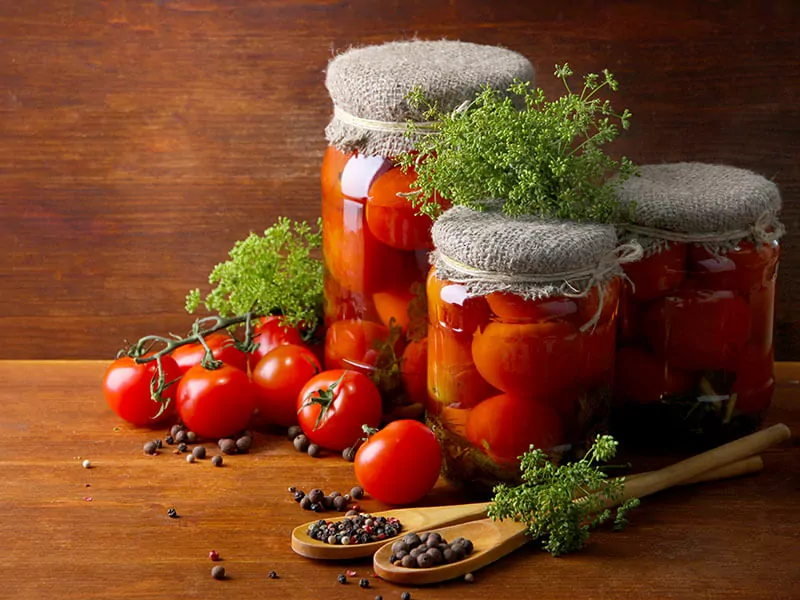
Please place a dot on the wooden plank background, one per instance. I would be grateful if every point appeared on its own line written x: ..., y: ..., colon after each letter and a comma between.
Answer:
x: 140, y: 139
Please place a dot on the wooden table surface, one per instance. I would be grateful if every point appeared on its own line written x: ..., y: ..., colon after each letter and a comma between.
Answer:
x: 103, y: 533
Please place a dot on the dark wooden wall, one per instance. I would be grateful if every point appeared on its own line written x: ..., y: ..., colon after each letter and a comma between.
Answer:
x: 139, y: 140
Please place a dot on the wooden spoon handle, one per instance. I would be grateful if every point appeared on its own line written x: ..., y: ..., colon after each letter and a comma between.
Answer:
x: 696, y: 466
x: 751, y: 464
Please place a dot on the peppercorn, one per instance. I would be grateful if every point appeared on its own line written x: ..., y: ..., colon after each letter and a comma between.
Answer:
x: 317, y: 507
x: 199, y: 452
x: 305, y: 503
x: 182, y: 447
x: 469, y: 578
x: 351, y: 513
x: 190, y: 458
x: 357, y: 493
x: 191, y: 437
x: 339, y: 503
x: 170, y: 440
x: 299, y: 495
x: 243, y: 444
x: 86, y: 464
x: 405, y: 596
x: 363, y: 582
x: 227, y: 445
x: 301, y: 443
x: 172, y: 513
x: 349, y: 454
x: 149, y: 448
x: 158, y: 444
x: 293, y: 432
x: 272, y: 575
x: 378, y: 597
x: 433, y: 539
x: 316, y: 495
x: 218, y: 572
x: 175, y: 429
x: 342, y: 578
x: 435, y: 556
x: 181, y: 437
x: 216, y: 460
x: 313, y: 450
x: 408, y: 561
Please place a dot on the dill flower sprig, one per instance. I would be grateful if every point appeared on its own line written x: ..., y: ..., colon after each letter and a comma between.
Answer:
x: 539, y: 157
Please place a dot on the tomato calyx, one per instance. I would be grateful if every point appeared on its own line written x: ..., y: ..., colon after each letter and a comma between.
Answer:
x: 324, y: 398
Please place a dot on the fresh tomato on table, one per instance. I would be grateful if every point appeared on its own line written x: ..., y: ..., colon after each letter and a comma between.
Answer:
x: 278, y: 379
x: 271, y: 332
x: 215, y: 403
x: 332, y: 407
x: 400, y: 463
x: 126, y: 387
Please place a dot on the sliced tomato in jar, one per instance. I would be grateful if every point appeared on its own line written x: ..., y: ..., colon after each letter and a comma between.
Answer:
x: 392, y: 219
x: 413, y: 371
x: 755, y: 380
x: 453, y: 379
x: 699, y: 330
x: 528, y: 360
x: 393, y: 304
x: 504, y: 427
x: 514, y: 308
x: 641, y: 377
x: 657, y: 274
x: 452, y: 308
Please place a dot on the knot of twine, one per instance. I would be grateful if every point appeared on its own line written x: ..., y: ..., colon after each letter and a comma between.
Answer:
x: 577, y: 283
x: 766, y: 230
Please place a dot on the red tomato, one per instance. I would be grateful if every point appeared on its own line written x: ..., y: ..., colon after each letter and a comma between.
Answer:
x: 510, y: 307
x: 215, y: 403
x: 126, y: 387
x: 529, y: 360
x: 222, y: 348
x: 353, y: 343
x: 344, y: 407
x: 755, y: 380
x: 643, y: 378
x: 655, y: 275
x: 399, y: 464
x: 270, y: 333
x: 392, y: 218
x: 699, y: 330
x: 453, y: 379
x: 413, y: 371
x: 504, y: 427
x: 278, y: 379
x: 453, y: 309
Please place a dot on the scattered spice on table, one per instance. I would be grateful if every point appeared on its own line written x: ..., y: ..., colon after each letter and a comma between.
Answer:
x: 199, y: 452
x: 272, y: 575
x: 218, y: 572
x: 216, y: 460
x: 86, y: 464
x: 363, y: 582
x: 172, y: 513
x: 213, y: 555
x: 342, y: 578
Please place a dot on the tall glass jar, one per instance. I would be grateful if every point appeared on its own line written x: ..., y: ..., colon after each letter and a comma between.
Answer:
x: 694, y: 365
x: 375, y: 245
x: 521, y: 340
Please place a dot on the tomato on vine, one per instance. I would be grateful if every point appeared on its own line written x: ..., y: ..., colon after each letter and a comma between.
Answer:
x: 271, y: 332
x: 222, y: 348
x: 128, y: 389
x: 333, y: 406
x: 278, y: 379
x: 400, y: 463
x: 215, y: 403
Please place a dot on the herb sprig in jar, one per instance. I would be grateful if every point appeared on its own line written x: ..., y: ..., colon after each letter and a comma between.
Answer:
x: 545, y: 160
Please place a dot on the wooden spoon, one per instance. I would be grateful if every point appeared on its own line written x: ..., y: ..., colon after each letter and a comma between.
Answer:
x: 494, y: 539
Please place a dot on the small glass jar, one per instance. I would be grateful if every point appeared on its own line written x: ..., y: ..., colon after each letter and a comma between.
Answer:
x: 507, y: 371
x: 375, y: 245
x: 694, y: 365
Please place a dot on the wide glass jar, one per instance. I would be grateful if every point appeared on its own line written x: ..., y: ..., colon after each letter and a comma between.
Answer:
x: 375, y: 245
x: 521, y: 341
x: 694, y: 365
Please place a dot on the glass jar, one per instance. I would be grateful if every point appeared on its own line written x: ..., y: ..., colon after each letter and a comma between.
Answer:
x: 375, y: 249
x: 375, y: 245
x: 521, y: 339
x: 695, y: 362
x: 695, y: 354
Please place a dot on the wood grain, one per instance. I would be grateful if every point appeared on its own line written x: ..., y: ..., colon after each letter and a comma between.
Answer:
x: 112, y: 539
x: 140, y: 139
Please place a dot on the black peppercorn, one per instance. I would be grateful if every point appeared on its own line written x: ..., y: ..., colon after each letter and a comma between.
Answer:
x: 342, y: 578
x: 175, y: 429
x: 244, y: 443
x: 357, y: 493
x: 150, y: 448
x: 317, y: 507
x: 182, y: 447
x: 305, y: 503
x: 218, y: 572
x: 227, y: 445
x: 339, y: 503
x: 299, y: 495
x: 199, y: 452
x: 405, y: 596
x: 293, y: 432
x: 172, y: 513
x: 181, y: 436
x: 272, y: 575
x: 316, y: 495
x: 216, y: 460
x: 301, y: 443
x: 313, y: 450
x: 169, y: 439
x: 349, y: 454
x: 363, y: 582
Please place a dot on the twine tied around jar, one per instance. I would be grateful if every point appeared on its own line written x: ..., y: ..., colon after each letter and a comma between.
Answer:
x: 424, y: 127
x: 767, y: 229
x: 577, y: 283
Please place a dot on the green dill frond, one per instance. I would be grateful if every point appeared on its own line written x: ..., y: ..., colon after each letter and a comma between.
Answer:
x: 273, y: 273
x: 545, y: 160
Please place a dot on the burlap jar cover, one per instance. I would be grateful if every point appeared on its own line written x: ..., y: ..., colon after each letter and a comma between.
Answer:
x: 369, y: 85
x: 716, y: 206
x: 490, y: 252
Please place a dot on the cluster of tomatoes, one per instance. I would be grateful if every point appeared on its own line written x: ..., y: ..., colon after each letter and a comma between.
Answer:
x: 689, y: 313
x: 283, y: 380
